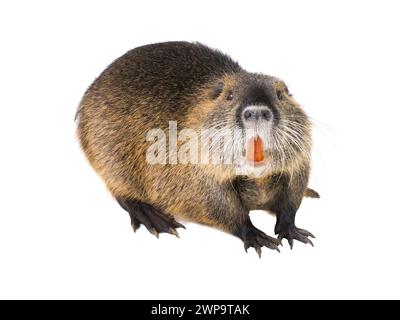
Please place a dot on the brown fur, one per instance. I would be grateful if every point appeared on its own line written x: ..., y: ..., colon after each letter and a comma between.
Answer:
x: 124, y: 103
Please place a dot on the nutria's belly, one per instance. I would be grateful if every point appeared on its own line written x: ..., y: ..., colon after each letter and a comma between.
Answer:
x: 256, y: 202
x: 255, y: 194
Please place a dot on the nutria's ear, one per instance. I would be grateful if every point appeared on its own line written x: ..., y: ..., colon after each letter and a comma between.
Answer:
x: 217, y: 90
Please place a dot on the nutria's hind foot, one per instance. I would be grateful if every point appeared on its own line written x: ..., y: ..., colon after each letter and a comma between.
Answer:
x: 294, y: 233
x: 253, y: 237
x: 152, y: 218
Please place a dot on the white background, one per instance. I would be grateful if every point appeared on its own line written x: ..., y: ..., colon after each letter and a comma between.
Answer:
x: 63, y: 236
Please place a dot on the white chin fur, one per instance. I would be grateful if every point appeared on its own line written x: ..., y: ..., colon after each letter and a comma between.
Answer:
x: 248, y: 168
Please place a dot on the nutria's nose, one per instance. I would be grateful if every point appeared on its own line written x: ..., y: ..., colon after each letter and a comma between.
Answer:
x: 255, y: 113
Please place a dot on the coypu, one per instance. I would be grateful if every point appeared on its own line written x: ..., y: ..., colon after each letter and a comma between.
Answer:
x: 198, y: 88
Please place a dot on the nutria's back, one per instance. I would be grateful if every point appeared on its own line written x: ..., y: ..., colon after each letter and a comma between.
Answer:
x: 142, y: 90
x: 169, y: 72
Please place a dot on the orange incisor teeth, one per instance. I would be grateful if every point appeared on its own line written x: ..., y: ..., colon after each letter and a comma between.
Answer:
x: 255, y: 150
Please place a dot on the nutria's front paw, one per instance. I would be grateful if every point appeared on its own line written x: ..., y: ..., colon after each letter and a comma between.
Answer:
x: 253, y: 237
x: 293, y: 233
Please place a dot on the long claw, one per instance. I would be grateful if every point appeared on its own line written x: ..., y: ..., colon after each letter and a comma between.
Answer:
x: 258, y: 250
x: 306, y: 233
x: 290, y: 243
x: 155, y: 232
x: 174, y: 232
x: 179, y: 225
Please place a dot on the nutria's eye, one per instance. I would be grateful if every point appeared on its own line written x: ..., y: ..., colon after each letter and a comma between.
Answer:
x: 279, y: 93
x: 229, y: 96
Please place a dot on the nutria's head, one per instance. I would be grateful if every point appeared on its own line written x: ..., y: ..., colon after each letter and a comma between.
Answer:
x: 274, y: 131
